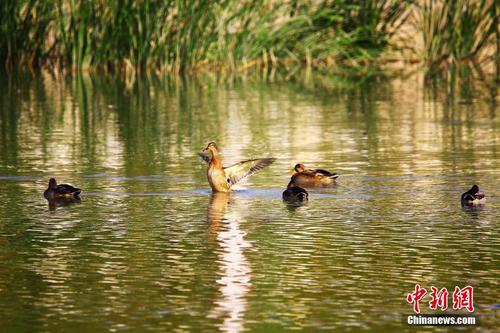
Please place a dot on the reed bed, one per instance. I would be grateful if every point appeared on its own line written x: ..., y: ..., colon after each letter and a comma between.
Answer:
x: 183, y: 36
x: 458, y: 30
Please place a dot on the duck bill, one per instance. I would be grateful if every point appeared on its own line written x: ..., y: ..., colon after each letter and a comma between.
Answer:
x: 205, y: 154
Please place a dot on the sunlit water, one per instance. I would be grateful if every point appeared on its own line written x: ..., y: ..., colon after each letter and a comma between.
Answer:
x: 149, y: 248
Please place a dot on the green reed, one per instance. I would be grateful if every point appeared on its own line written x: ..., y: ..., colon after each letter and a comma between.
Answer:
x: 183, y: 35
x: 457, y: 30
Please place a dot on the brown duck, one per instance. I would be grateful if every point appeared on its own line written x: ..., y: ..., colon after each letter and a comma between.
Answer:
x: 222, y: 178
x: 312, y: 177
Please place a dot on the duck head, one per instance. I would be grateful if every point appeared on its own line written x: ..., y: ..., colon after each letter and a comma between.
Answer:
x: 299, y: 168
x: 471, y: 195
x: 212, y: 148
x: 209, y: 153
x: 52, y: 184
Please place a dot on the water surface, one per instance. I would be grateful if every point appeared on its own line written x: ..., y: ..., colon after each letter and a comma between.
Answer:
x: 149, y: 248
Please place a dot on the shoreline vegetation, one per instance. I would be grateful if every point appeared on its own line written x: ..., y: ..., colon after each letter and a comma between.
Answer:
x: 236, y: 36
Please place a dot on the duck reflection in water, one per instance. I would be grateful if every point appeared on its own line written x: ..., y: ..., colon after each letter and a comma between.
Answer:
x: 62, y: 202
x: 233, y: 267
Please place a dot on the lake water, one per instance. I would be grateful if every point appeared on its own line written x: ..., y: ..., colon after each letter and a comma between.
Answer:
x: 149, y: 248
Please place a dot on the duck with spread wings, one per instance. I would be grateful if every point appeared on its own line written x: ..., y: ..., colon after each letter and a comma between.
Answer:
x: 222, y: 178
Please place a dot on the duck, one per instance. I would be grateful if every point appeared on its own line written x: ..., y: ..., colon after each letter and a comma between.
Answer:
x: 473, y: 197
x: 220, y: 178
x: 312, y: 177
x: 295, y: 193
x: 60, y: 190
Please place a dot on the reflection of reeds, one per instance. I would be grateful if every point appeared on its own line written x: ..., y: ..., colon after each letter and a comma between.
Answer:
x: 457, y: 30
x: 465, y: 83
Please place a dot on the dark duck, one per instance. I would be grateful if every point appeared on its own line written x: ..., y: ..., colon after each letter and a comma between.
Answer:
x: 60, y: 190
x: 473, y: 197
x: 294, y: 193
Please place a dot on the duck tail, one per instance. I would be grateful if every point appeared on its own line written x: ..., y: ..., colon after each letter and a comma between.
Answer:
x: 77, y: 192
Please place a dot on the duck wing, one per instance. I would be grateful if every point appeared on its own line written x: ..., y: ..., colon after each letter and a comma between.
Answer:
x: 326, y: 173
x: 238, y: 171
x: 67, y: 189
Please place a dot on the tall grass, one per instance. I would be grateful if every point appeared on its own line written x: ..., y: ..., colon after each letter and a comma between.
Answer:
x: 456, y: 30
x: 184, y: 35
x: 180, y: 34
